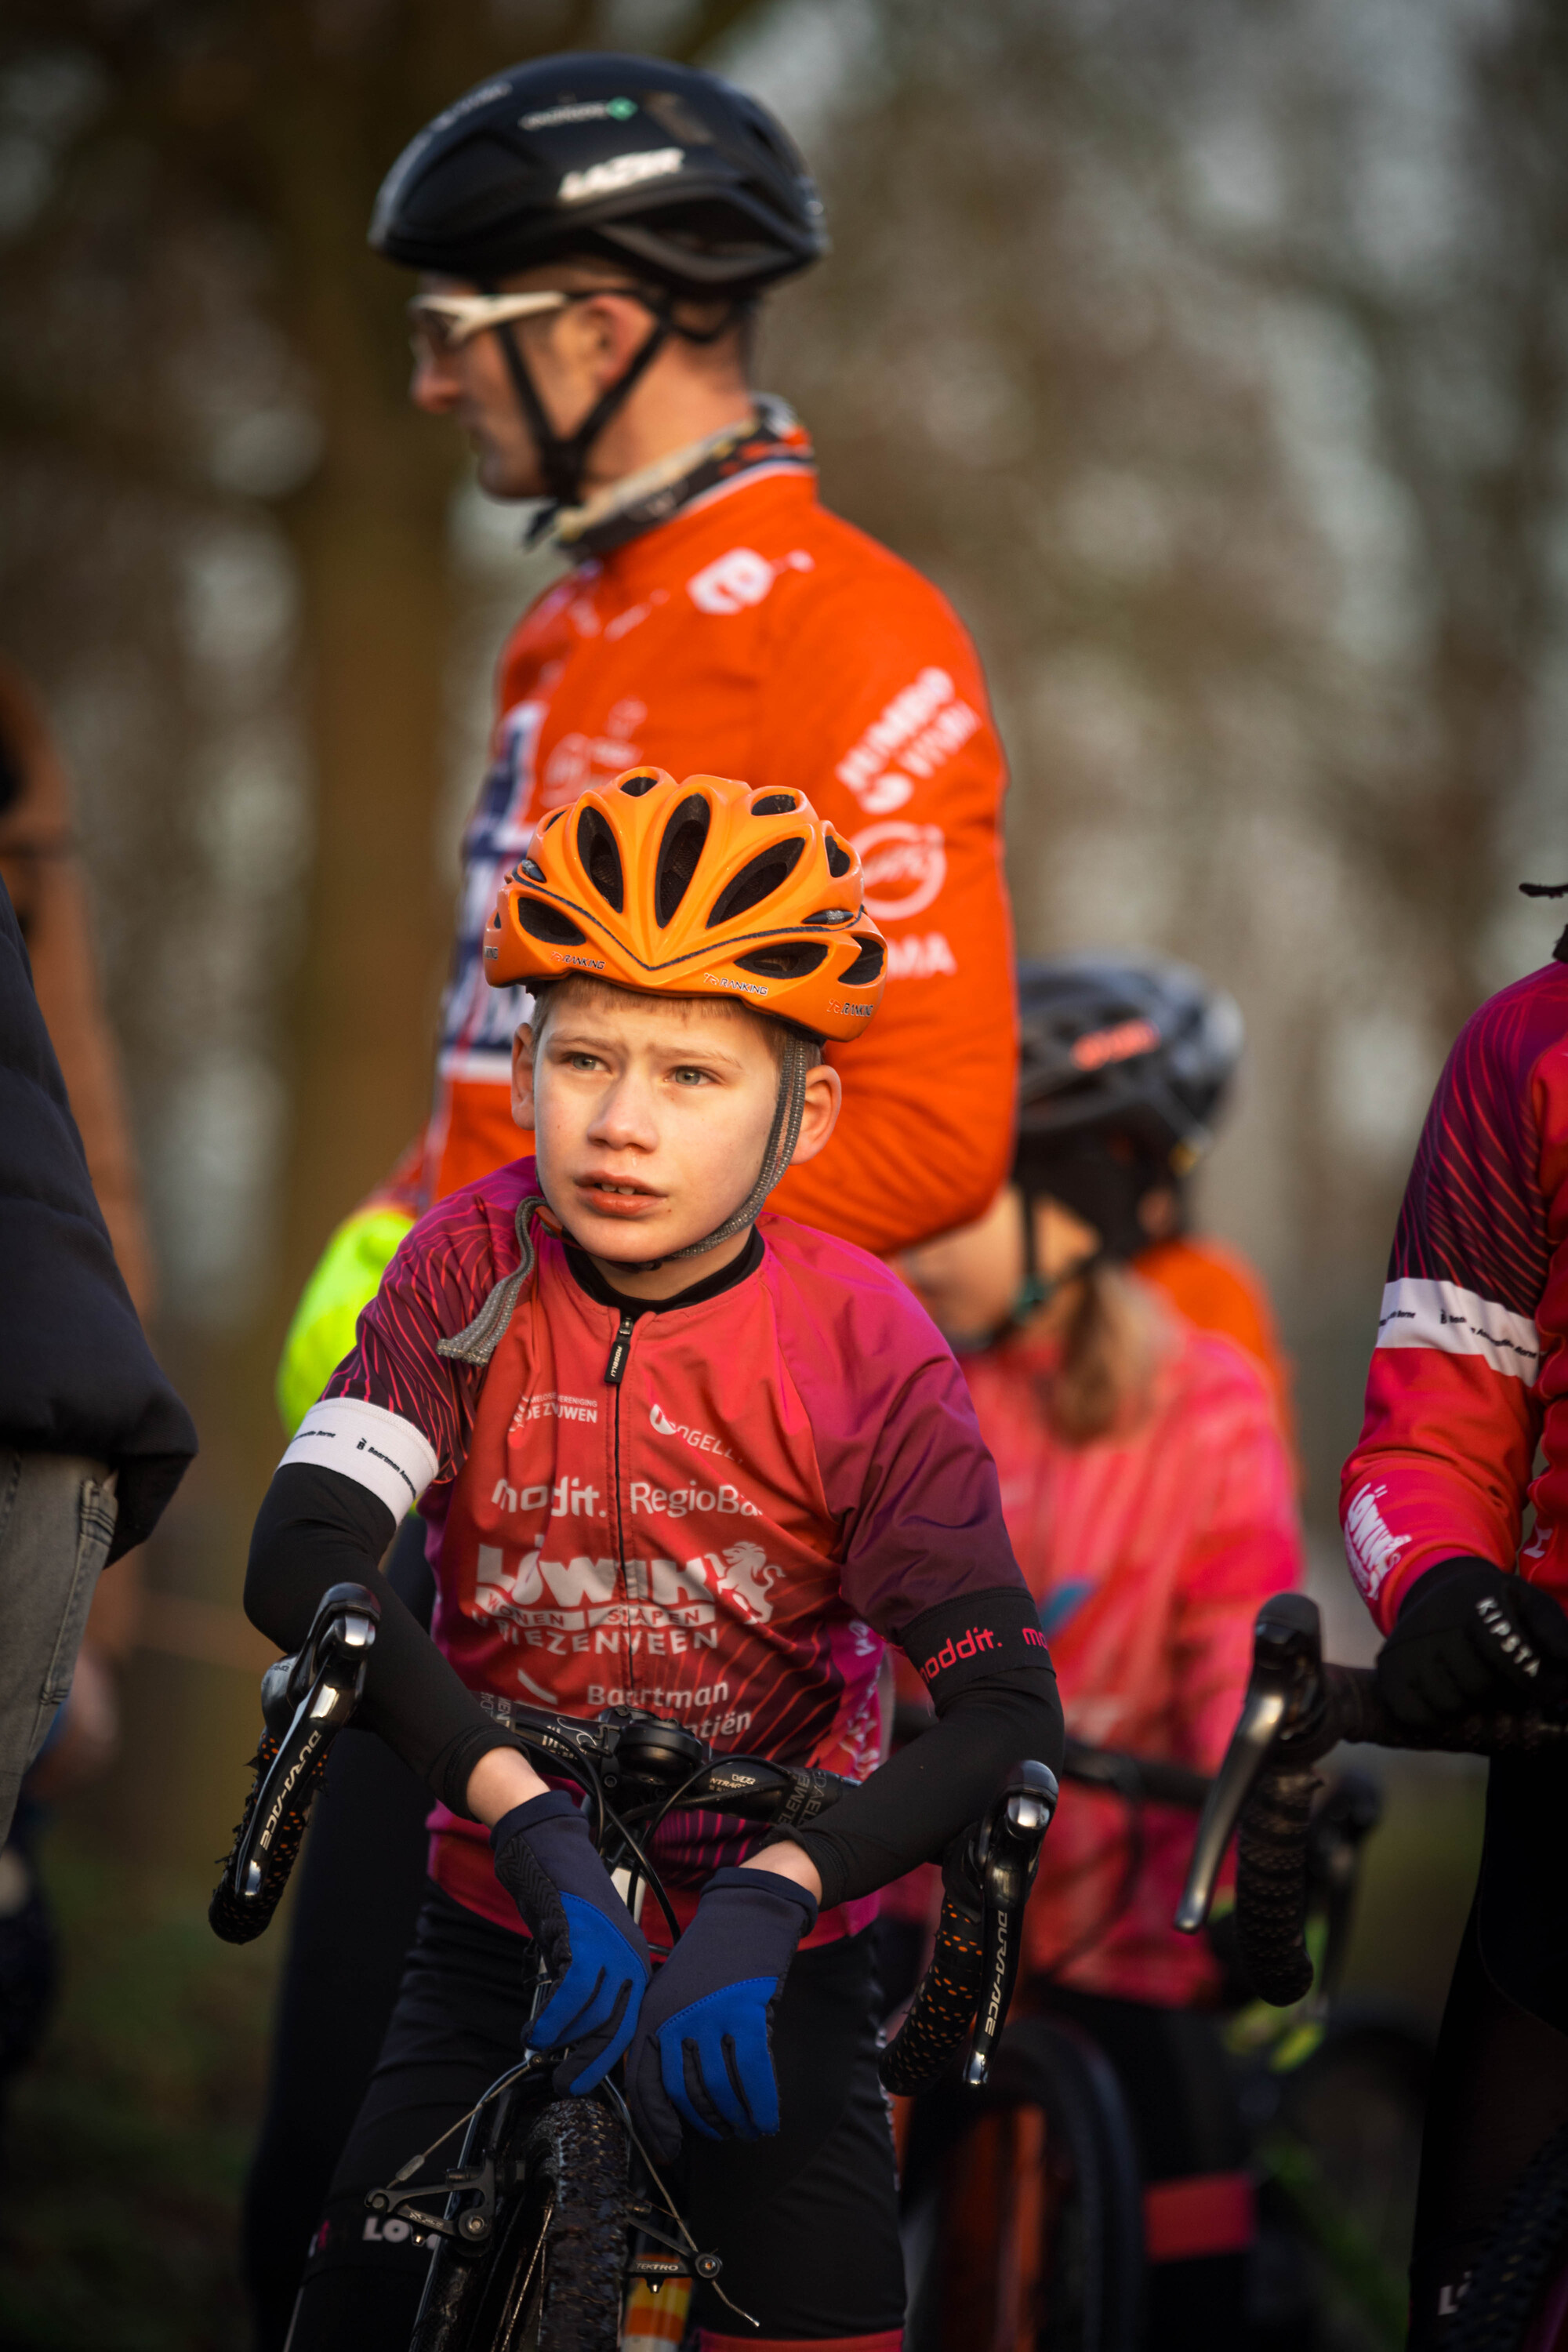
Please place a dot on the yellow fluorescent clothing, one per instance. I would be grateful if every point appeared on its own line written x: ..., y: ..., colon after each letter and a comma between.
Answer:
x: 348, y: 1274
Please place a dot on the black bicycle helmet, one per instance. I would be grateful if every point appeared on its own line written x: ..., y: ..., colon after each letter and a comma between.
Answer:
x: 1123, y: 1065
x: 661, y: 166
x: 685, y: 181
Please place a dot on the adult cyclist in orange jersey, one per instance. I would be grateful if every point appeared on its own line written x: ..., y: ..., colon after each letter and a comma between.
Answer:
x: 594, y: 233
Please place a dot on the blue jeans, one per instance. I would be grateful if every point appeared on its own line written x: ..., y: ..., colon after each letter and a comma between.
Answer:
x: 57, y: 1523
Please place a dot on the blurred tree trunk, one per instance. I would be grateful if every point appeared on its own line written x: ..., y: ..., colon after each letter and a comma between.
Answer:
x: 370, y: 536
x: 210, y: 203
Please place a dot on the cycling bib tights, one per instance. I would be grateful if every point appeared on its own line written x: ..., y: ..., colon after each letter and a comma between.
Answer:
x: 755, y: 634
x: 1469, y: 1371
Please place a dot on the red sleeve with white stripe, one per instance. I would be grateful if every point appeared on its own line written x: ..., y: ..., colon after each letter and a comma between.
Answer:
x: 1472, y: 1321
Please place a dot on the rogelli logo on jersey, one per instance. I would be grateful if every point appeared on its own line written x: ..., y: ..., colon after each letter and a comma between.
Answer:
x: 702, y: 1440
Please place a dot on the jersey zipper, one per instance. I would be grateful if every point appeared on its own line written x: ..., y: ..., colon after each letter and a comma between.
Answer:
x: 615, y: 1371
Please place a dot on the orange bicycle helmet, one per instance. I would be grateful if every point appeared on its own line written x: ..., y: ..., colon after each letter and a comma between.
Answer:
x: 705, y: 888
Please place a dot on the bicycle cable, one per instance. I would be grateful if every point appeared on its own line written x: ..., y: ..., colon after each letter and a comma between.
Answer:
x: 688, y: 2242
x: 650, y: 1875
x: 502, y: 2083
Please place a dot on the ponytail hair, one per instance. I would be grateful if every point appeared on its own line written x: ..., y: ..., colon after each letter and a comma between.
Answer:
x: 1110, y: 1352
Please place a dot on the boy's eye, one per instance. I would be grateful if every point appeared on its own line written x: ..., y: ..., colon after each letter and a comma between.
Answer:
x: 689, y: 1075
x: 582, y: 1061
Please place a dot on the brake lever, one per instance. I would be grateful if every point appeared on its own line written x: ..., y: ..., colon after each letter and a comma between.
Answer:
x: 1283, y: 1691
x: 1006, y: 1858
x: 321, y: 1686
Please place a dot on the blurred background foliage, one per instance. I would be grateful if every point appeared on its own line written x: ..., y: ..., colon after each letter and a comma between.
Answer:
x: 1211, y: 358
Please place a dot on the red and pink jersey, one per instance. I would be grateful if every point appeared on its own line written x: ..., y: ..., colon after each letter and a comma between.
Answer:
x: 1149, y: 1551
x: 1469, y: 1372
x: 716, y: 1511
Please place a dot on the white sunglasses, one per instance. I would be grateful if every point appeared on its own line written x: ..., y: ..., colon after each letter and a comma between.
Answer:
x: 443, y: 322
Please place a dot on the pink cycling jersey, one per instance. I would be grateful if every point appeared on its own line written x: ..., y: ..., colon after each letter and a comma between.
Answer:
x: 1149, y: 1552
x: 1469, y: 1372
x: 716, y: 1512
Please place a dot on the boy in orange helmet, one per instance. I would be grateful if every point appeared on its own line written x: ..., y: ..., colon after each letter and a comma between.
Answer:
x: 546, y: 1349
x: 585, y: 317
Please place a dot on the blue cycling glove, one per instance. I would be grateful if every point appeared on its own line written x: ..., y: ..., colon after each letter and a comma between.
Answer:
x: 590, y: 1942
x: 702, y: 2055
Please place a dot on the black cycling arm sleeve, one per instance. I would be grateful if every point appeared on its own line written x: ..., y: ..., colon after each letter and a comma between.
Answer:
x: 912, y: 1806
x: 317, y: 1529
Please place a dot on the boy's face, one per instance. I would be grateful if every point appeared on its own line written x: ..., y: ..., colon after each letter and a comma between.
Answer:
x: 650, y: 1117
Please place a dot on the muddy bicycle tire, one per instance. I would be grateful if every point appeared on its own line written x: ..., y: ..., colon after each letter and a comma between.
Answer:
x: 552, y: 2278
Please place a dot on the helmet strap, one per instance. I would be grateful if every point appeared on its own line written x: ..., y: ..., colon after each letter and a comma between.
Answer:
x: 563, y: 456
x: 801, y: 1056
x: 1038, y: 1288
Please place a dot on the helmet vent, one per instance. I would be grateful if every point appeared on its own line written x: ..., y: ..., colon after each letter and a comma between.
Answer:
x: 601, y: 857
x: 528, y: 871
x: 829, y: 918
x: 775, y: 804
x: 684, y: 839
x: 757, y: 879
x: 839, y: 860
x: 634, y: 787
x: 542, y: 921
x: 867, y: 966
x: 791, y: 960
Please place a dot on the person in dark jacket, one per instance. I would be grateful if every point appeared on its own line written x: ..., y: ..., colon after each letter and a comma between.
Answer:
x: 93, y: 1440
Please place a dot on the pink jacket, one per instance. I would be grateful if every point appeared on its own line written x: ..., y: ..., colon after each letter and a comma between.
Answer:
x: 1149, y: 1554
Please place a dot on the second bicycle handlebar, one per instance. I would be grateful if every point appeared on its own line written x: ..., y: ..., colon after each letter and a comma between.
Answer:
x: 1296, y: 1709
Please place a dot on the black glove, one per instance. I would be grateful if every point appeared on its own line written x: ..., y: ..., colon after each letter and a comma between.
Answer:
x: 1472, y: 1639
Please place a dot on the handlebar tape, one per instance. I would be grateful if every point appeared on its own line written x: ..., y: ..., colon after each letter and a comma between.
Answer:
x: 241, y: 1922
x: 1271, y: 1886
x: 942, y: 2010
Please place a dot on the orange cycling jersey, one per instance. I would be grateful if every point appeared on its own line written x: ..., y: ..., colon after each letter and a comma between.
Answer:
x: 755, y: 634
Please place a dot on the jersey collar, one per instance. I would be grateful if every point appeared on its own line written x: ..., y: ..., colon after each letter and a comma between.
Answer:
x: 587, y: 1276
x: 774, y: 436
